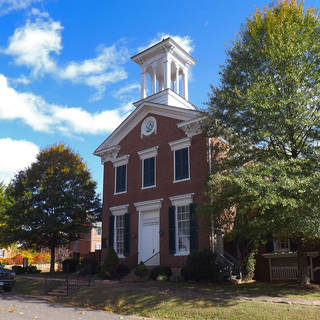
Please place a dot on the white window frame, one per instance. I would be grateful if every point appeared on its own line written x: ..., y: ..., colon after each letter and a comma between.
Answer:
x: 277, y: 243
x: 178, y: 145
x: 147, y: 154
x: 116, y: 212
x: 180, y: 201
x: 118, y: 163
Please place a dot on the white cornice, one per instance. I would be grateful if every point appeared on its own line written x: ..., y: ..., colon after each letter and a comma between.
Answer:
x: 119, y: 210
x: 192, y: 127
x: 148, y: 205
x: 179, y: 144
x: 109, y: 154
x: 120, y: 161
x: 148, y: 153
x: 182, y: 199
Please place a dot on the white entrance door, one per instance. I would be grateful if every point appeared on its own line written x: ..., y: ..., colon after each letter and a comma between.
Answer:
x: 149, y: 238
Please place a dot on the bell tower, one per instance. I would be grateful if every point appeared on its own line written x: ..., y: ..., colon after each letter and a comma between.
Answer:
x: 167, y: 66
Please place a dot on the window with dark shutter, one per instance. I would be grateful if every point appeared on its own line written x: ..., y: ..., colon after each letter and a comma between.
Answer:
x: 126, y: 249
x: 121, y: 177
x: 111, y: 231
x: 193, y: 228
x: 172, y: 230
x: 182, y: 164
x: 149, y: 172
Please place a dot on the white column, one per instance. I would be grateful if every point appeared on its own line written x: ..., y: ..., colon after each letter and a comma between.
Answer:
x: 160, y: 82
x: 167, y: 72
x: 185, y: 92
x: 154, y: 79
x: 143, y: 84
x: 177, y: 80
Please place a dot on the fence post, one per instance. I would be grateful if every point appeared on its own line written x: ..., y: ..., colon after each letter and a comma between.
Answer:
x: 67, y: 286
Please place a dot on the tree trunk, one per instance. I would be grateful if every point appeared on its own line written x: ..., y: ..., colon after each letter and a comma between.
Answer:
x: 53, y: 259
x: 303, y: 275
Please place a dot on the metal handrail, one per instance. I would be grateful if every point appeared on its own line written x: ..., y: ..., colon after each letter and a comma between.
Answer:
x: 151, y: 257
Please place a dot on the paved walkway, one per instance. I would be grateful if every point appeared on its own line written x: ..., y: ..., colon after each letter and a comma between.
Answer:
x: 14, y: 307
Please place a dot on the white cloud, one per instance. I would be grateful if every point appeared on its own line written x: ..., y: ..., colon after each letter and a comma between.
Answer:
x: 123, y: 91
x: 42, y: 116
x: 39, y: 42
x: 21, y: 80
x: 7, y: 6
x: 33, y: 44
x: 12, y: 161
x: 185, y: 42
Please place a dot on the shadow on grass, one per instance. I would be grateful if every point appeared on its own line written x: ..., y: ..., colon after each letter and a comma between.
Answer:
x: 144, y: 302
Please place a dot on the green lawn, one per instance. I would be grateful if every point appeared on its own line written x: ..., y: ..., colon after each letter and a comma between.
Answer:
x: 168, y: 300
x: 163, y: 304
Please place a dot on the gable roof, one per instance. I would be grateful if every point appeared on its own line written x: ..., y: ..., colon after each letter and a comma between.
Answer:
x: 137, y: 115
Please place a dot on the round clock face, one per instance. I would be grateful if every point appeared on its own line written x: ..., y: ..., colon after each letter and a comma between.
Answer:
x: 149, y: 125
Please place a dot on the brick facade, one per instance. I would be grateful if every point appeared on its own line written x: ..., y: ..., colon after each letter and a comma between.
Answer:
x: 167, y: 131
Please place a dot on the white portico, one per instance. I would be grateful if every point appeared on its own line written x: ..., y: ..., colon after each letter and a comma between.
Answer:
x: 167, y: 65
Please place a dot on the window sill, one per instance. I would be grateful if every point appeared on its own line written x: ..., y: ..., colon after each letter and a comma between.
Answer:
x: 181, y: 254
x: 181, y: 180
x: 149, y: 187
x: 120, y: 256
x: 122, y: 192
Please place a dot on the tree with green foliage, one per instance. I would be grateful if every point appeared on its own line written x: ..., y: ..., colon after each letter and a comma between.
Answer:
x: 267, y: 108
x: 5, y: 203
x: 55, y: 200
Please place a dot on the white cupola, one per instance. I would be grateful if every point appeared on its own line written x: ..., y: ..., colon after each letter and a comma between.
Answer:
x: 167, y: 64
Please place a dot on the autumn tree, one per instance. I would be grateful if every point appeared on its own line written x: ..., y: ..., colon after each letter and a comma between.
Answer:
x: 266, y: 107
x: 55, y: 199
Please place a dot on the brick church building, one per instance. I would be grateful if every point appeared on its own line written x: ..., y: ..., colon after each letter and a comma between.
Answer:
x: 155, y: 167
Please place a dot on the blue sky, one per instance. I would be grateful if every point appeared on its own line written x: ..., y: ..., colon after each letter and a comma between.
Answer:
x: 66, y: 74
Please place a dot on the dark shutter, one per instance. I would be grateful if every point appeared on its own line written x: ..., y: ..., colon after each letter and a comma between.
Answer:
x: 172, y: 230
x: 269, y: 245
x: 193, y: 228
x: 111, y: 231
x: 104, y: 243
x: 293, y: 245
x: 126, y: 249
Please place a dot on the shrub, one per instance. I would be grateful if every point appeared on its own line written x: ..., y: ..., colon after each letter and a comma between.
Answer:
x: 69, y: 265
x: 159, y: 271
x: 18, y: 269
x: 89, y: 266
x: 110, y: 265
x: 202, y: 265
x: 31, y: 269
x: 141, y: 270
x: 42, y: 257
x: 122, y: 270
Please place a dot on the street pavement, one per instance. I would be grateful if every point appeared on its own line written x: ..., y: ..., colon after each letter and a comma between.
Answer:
x: 14, y: 307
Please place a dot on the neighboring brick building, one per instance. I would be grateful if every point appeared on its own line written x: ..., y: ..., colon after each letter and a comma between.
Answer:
x: 88, y: 243
x: 155, y: 167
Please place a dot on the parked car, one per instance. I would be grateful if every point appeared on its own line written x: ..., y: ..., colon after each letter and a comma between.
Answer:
x: 7, y: 278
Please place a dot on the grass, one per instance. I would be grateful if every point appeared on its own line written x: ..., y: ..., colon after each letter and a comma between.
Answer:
x: 33, y: 286
x: 162, y: 304
x: 177, y: 301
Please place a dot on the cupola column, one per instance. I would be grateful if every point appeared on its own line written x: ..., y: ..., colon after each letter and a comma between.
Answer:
x: 185, y: 93
x: 143, y: 83
x: 167, y: 72
x: 177, y: 79
x: 154, y: 78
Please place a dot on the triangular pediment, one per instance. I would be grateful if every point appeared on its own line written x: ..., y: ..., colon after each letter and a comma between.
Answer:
x: 139, y: 114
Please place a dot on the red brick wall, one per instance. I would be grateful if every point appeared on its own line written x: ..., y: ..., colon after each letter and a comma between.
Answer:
x: 167, y: 131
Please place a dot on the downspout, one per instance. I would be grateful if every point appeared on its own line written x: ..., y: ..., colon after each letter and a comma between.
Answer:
x: 211, y: 199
